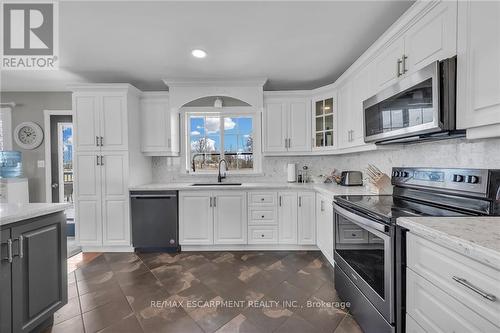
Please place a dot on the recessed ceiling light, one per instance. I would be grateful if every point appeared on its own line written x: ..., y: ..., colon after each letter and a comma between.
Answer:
x: 199, y: 53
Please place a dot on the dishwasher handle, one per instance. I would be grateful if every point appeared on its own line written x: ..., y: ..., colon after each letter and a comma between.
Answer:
x: 146, y: 196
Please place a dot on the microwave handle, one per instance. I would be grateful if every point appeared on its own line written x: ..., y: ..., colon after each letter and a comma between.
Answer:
x: 360, y: 220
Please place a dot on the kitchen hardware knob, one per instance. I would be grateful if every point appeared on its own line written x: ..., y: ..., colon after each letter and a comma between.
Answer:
x: 458, y: 178
x: 262, y: 235
x: 262, y: 216
x: 261, y: 199
x: 472, y: 179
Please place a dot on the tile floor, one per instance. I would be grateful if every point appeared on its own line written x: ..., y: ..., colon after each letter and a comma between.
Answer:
x: 203, y: 292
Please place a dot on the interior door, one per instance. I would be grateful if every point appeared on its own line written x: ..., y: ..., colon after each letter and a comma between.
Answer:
x: 299, y: 126
x: 287, y: 217
x: 230, y: 217
x: 87, y: 133
x: 306, y: 221
x: 39, y: 271
x: 275, y: 127
x: 88, y: 198
x: 195, y: 224
x: 115, y: 201
x: 114, y: 122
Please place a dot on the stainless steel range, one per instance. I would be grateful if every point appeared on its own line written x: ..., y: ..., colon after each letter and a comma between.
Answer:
x: 370, y: 250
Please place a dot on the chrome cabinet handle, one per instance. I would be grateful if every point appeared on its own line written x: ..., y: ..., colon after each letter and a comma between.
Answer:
x: 21, y: 246
x: 467, y: 284
x: 9, y: 251
x: 215, y: 201
x: 300, y: 201
x: 97, y: 160
x: 102, y: 160
x: 404, y: 64
x: 97, y: 141
x: 289, y: 143
x: 398, y: 69
x: 102, y: 141
x: 322, y: 206
x: 280, y: 200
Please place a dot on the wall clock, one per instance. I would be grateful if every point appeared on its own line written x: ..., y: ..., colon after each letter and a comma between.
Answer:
x: 28, y: 135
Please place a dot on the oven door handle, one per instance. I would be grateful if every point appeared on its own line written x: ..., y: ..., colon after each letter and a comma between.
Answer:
x: 363, y: 221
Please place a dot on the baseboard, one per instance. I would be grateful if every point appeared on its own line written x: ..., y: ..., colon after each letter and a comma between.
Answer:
x: 249, y: 247
x: 107, y: 249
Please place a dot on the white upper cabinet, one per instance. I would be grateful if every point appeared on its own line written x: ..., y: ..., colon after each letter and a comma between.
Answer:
x: 87, y: 114
x: 101, y: 121
x: 324, y: 122
x: 287, y: 124
x: 113, y: 122
x: 299, y: 117
x: 479, y: 68
x: 432, y: 37
x: 388, y: 64
x: 159, y: 126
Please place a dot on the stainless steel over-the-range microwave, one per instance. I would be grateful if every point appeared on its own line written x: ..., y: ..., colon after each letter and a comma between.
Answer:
x: 421, y: 106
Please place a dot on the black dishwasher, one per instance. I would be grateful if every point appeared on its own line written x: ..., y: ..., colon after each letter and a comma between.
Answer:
x: 155, y: 222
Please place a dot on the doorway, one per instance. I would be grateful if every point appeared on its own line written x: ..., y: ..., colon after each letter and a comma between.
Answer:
x: 59, y: 169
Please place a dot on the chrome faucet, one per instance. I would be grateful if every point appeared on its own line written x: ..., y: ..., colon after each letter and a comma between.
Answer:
x: 221, y: 177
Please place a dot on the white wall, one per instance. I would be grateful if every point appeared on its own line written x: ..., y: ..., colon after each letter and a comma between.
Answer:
x: 452, y: 153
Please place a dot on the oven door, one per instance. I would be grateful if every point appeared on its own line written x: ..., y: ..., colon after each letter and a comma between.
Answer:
x: 410, y: 107
x: 364, y: 250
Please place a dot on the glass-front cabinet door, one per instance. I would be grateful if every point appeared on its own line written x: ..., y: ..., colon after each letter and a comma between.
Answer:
x: 324, y: 123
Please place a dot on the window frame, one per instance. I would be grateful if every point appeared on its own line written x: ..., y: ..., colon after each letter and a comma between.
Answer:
x: 244, y: 111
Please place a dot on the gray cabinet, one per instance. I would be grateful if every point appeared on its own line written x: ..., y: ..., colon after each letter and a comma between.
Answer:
x: 38, y: 272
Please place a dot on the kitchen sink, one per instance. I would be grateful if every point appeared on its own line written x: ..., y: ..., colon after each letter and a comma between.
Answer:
x: 216, y: 184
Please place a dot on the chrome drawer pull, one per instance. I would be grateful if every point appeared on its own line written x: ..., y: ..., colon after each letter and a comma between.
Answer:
x: 9, y: 251
x: 467, y: 284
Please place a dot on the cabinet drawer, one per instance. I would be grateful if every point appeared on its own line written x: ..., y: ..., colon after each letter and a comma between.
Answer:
x: 262, y: 235
x: 262, y: 198
x: 440, y: 265
x: 436, y: 311
x: 260, y: 216
x: 352, y: 234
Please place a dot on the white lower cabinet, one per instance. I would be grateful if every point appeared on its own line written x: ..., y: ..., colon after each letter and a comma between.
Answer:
x: 262, y: 235
x: 306, y: 219
x: 230, y: 217
x: 287, y: 217
x: 324, y: 226
x: 196, y: 218
x: 207, y: 218
x: 102, y: 203
x: 446, y: 290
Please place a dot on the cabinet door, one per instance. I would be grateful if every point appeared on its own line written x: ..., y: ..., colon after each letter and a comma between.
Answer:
x: 275, y: 127
x: 230, y: 217
x: 345, y: 110
x: 287, y: 217
x: 155, y: 129
x: 195, y: 218
x: 363, y: 82
x: 115, y: 201
x: 39, y: 271
x: 434, y: 37
x: 299, y: 126
x: 113, y: 122
x: 386, y: 63
x: 87, y: 180
x: 306, y: 220
x: 86, y: 110
x: 478, y: 66
x: 5, y: 282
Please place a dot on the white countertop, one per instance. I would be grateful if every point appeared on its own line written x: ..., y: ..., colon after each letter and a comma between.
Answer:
x: 12, y: 212
x: 325, y: 189
x: 475, y: 237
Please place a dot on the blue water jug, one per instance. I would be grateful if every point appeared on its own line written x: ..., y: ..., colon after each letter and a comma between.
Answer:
x: 11, y: 165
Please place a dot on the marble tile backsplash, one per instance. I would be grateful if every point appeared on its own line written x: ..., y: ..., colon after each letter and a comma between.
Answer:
x: 451, y: 153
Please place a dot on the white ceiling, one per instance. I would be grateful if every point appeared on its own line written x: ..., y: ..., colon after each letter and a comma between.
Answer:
x: 296, y: 45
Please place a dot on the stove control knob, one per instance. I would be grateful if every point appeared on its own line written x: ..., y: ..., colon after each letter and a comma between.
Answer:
x: 458, y: 178
x: 405, y: 174
x: 472, y: 179
x: 396, y: 173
